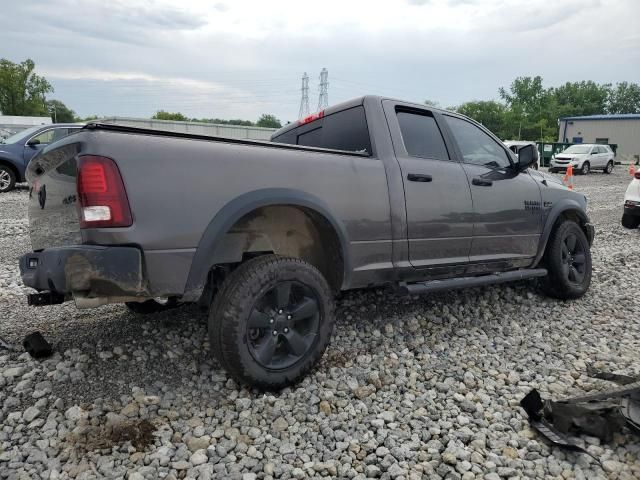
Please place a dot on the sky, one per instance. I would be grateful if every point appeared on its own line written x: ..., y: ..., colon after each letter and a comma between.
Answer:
x: 243, y: 58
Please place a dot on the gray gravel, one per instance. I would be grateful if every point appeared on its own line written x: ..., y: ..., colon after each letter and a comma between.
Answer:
x: 424, y: 387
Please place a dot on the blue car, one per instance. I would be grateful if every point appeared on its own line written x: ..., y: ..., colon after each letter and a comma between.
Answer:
x: 18, y: 149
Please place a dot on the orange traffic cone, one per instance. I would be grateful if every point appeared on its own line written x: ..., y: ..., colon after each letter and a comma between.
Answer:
x: 568, y: 177
x: 632, y: 169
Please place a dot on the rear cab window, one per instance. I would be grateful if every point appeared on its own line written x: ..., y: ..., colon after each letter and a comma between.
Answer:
x: 343, y: 130
x: 421, y: 135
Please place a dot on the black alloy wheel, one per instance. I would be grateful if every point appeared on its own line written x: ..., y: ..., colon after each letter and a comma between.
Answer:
x: 573, y: 258
x: 283, y: 325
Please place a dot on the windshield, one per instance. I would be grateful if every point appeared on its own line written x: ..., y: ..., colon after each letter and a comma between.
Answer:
x: 21, y: 134
x: 578, y: 149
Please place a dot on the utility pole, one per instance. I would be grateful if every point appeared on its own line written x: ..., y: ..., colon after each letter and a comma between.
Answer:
x: 323, y: 98
x: 304, y: 101
x: 55, y: 113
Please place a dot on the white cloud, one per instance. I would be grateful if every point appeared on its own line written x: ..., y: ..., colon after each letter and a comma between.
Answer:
x: 245, y: 57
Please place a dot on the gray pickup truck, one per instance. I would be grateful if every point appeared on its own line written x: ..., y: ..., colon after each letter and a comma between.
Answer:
x: 371, y: 192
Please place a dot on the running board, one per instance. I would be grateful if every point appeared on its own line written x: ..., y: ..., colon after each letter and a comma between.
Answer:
x: 467, y: 282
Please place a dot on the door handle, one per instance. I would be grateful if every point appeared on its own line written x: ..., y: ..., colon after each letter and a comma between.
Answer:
x: 418, y: 177
x: 481, y: 182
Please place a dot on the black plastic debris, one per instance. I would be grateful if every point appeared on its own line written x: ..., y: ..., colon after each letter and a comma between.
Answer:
x: 4, y: 345
x: 598, y: 415
x: 36, y: 346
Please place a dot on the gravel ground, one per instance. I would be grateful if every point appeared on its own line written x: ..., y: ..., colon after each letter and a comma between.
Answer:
x: 422, y: 387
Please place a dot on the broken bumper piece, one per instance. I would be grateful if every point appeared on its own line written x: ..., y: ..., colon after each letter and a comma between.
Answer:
x: 600, y: 414
x: 91, y: 269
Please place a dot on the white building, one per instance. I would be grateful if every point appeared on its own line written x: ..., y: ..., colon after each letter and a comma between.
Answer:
x: 623, y: 130
x: 10, y: 124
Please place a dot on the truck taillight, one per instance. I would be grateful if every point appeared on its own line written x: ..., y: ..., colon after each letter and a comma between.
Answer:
x: 102, y: 199
x: 637, y: 175
x: 311, y: 118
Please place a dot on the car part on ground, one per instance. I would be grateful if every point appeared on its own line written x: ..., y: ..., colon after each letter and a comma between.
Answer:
x: 36, y: 346
x: 599, y: 415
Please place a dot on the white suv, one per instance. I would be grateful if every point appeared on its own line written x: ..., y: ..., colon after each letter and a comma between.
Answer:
x: 584, y: 158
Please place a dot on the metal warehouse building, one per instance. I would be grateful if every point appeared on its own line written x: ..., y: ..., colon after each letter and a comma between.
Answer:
x: 198, y: 128
x: 623, y: 130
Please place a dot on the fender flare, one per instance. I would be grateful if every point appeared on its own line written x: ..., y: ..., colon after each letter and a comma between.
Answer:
x: 234, y: 210
x: 564, y: 205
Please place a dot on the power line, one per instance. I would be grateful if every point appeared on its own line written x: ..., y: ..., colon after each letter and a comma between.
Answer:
x: 304, y: 100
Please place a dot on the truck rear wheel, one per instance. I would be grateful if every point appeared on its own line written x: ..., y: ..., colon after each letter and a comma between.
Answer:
x: 271, y: 321
x: 568, y: 261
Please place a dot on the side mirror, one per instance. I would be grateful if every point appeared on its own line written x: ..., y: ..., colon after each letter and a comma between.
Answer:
x: 525, y: 157
x: 33, y: 142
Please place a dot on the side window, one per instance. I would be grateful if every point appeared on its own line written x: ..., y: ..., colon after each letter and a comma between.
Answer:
x: 477, y: 147
x: 421, y: 136
x: 45, y: 137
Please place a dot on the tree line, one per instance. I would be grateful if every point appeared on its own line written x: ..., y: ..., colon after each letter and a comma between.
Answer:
x: 525, y: 110
x: 529, y: 111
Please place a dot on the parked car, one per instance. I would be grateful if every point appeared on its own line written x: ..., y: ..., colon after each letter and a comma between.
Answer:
x: 584, y: 158
x: 371, y: 192
x: 631, y: 215
x: 18, y: 149
x: 516, y: 145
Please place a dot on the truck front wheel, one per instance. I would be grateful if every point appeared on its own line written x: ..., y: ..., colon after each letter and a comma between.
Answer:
x: 568, y: 261
x: 271, y: 321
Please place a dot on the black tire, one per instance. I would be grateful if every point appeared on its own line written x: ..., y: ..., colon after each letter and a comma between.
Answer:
x: 586, y: 168
x: 150, y: 306
x: 609, y: 168
x: 7, y: 179
x: 569, y: 267
x: 630, y: 221
x: 552, y: 170
x: 259, y: 286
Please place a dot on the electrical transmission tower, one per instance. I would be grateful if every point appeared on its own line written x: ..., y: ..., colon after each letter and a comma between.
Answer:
x: 304, y: 101
x: 323, y: 98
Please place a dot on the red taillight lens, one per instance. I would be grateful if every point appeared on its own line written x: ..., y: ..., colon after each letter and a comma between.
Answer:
x: 311, y: 117
x: 102, y: 199
x: 637, y: 175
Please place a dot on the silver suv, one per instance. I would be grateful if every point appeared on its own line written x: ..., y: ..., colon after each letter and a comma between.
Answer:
x: 584, y: 158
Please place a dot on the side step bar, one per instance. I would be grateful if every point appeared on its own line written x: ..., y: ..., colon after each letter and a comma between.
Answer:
x: 467, y: 282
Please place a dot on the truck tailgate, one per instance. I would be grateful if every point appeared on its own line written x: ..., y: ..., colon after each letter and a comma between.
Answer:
x: 53, y: 219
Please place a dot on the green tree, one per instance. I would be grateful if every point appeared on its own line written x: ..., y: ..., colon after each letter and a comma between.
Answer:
x: 432, y: 103
x: 625, y: 98
x: 22, y: 92
x: 580, y: 98
x: 489, y: 113
x: 532, y: 108
x: 268, y: 121
x: 220, y: 121
x: 162, y: 115
x: 60, y: 113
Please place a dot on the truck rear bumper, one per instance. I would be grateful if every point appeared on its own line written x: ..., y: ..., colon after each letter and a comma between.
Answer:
x: 89, y: 269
